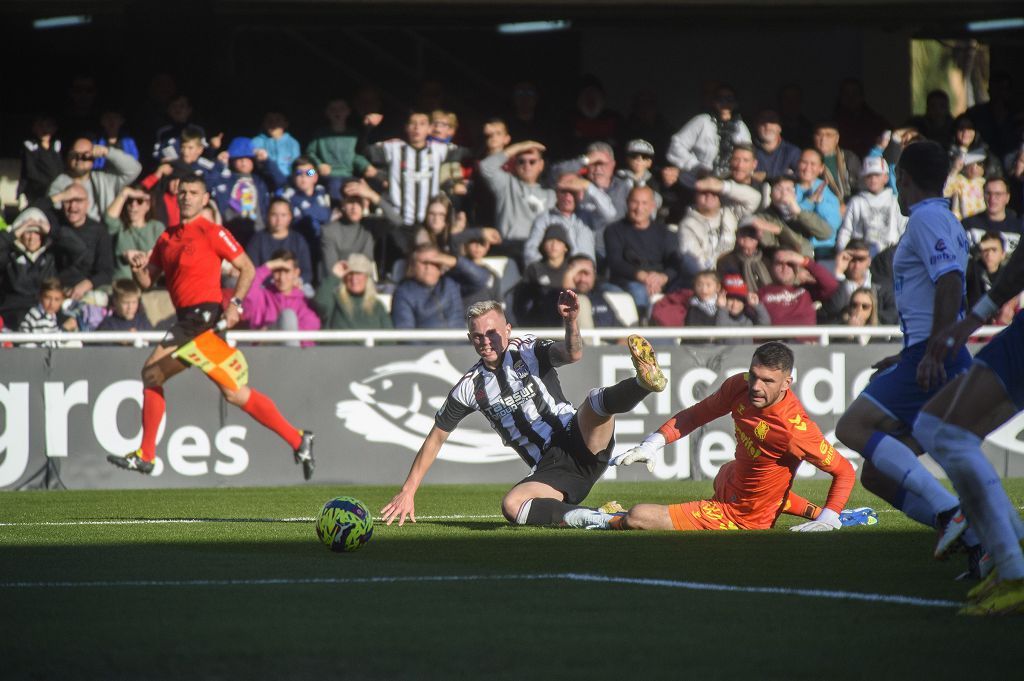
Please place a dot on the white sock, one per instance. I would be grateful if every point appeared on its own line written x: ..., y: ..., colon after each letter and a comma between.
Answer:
x: 898, y: 462
x: 988, y: 508
x: 524, y: 512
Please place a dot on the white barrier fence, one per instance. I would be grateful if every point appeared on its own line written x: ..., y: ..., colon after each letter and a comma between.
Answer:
x: 824, y: 335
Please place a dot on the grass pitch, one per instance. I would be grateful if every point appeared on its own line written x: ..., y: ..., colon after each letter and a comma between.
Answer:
x: 123, y: 585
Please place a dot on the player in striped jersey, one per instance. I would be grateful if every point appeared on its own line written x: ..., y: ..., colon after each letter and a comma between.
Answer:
x: 515, y: 386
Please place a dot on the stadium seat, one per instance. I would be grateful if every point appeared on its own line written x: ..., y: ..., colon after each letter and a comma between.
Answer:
x: 623, y: 306
x: 386, y: 299
x: 506, y: 269
x: 10, y: 202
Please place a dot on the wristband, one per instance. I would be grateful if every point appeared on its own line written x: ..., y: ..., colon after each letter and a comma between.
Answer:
x: 237, y: 302
x: 984, y: 308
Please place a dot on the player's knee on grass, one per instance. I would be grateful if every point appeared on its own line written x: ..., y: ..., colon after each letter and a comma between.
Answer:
x: 511, y: 505
x: 648, y: 517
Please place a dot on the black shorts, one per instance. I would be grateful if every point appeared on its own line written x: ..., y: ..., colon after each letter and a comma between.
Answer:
x: 569, y: 466
x: 192, y: 321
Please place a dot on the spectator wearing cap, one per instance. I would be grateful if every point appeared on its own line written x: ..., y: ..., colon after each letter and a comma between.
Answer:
x: 569, y: 193
x: 797, y: 283
x: 746, y: 259
x: 841, y: 170
x: 276, y: 300
x: 643, y: 255
x: 704, y: 144
x: 965, y: 187
x: 739, y: 307
x: 785, y: 223
x: 853, y: 272
x: 241, y: 193
x: 607, y: 202
x: 637, y: 173
x: 708, y: 230
x: 30, y: 253
x: 130, y: 223
x: 873, y: 215
x: 775, y: 155
x: 101, y: 186
x: 997, y: 216
x: 347, y: 297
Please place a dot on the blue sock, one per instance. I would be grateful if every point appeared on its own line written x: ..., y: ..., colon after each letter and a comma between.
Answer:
x: 899, y: 463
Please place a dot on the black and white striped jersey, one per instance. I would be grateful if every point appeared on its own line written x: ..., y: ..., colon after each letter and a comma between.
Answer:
x: 413, y: 176
x: 522, y: 400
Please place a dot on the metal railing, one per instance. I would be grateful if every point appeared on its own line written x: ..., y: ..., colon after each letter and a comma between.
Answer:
x: 824, y: 335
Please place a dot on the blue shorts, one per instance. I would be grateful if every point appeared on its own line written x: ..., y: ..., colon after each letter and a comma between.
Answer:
x: 896, y: 391
x: 1004, y: 355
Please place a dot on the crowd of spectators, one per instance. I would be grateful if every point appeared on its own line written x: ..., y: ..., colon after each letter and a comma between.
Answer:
x: 706, y: 222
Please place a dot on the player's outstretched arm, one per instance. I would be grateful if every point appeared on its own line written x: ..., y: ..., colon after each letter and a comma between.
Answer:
x: 571, y: 349
x: 823, y: 456
x: 402, y: 505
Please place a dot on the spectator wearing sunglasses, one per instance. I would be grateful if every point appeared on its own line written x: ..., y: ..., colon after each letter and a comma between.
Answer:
x: 513, y: 176
x: 101, y: 186
x: 130, y: 223
x: 853, y: 271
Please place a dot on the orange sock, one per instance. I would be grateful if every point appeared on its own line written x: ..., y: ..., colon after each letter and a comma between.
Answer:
x: 153, y: 408
x: 797, y: 505
x: 263, y: 409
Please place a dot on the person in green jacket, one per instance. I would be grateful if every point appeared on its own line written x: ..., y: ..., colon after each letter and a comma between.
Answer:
x: 347, y: 298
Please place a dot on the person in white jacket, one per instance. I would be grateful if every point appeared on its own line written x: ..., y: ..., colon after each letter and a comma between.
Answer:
x: 705, y: 142
x: 874, y: 213
x: 708, y: 230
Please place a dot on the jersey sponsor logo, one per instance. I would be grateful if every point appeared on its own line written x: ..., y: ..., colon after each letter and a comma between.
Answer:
x: 509, y: 404
x: 798, y: 423
x: 827, y: 451
x: 761, y: 431
x: 396, y: 402
x: 746, y: 442
x: 227, y: 240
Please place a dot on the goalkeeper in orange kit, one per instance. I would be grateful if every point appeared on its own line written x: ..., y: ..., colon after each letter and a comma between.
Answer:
x: 773, y: 436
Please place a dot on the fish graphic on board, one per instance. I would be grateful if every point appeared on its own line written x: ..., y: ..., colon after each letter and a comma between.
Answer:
x: 396, y: 404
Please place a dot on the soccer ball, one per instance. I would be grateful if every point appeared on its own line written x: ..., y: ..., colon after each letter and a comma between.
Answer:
x: 344, y: 524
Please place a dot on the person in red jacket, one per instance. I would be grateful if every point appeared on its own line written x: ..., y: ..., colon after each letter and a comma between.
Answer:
x: 798, y: 281
x: 189, y: 255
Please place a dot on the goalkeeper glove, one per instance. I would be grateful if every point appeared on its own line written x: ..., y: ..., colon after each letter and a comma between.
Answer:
x: 826, y: 521
x: 641, y: 454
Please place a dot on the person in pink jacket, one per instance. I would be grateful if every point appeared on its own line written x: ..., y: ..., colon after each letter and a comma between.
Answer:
x: 277, y: 301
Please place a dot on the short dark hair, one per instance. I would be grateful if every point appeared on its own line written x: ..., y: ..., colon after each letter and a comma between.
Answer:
x: 194, y: 179
x: 303, y: 161
x: 927, y: 164
x: 998, y: 178
x: 993, y: 235
x: 774, y: 355
x: 284, y: 254
x: 743, y: 146
x: 279, y: 199
x: 125, y: 287
x: 857, y: 244
x: 192, y: 133
x: 50, y: 284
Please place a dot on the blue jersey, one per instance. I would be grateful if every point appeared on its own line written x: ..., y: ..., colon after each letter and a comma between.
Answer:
x: 933, y: 244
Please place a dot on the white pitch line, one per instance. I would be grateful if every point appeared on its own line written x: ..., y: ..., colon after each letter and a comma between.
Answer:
x: 178, y: 521
x: 568, y: 576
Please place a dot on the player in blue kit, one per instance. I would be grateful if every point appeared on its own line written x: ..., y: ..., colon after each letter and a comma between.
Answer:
x: 953, y: 424
x: 929, y: 266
